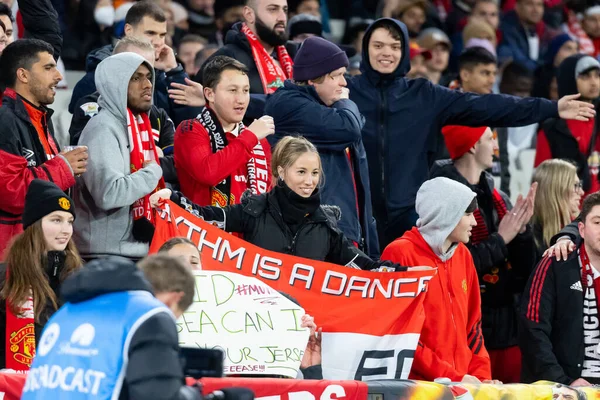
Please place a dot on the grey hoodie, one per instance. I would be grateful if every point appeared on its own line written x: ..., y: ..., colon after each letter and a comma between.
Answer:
x: 105, y: 192
x: 441, y: 203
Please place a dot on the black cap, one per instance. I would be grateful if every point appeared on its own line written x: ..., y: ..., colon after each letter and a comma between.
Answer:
x: 43, y: 198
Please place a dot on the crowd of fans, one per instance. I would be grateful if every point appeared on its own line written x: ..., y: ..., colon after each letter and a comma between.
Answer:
x: 379, y: 147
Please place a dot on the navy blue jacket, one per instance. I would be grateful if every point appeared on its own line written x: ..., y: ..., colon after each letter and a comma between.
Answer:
x: 402, y: 120
x: 298, y: 110
x: 87, y: 86
x: 514, y: 44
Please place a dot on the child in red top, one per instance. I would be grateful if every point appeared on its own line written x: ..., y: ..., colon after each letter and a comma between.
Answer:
x: 451, y: 343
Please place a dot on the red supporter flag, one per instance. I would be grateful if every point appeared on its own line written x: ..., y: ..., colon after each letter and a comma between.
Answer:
x: 371, y: 320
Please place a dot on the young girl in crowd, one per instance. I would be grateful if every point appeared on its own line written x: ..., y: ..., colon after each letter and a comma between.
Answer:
x: 557, y: 202
x: 183, y: 247
x: 290, y: 218
x: 36, y: 264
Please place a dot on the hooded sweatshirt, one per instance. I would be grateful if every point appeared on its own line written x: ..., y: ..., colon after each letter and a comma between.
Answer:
x: 403, y: 117
x: 105, y: 192
x: 451, y: 343
x: 571, y: 139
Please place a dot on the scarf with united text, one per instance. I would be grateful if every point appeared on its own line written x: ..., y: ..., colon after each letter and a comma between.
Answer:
x: 229, y: 192
x: 143, y: 149
x: 271, y: 75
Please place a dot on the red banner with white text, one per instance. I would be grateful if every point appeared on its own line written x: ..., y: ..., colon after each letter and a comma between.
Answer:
x: 371, y: 320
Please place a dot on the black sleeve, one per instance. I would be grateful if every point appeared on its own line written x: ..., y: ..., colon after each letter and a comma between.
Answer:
x: 155, y: 369
x: 571, y: 230
x: 40, y: 20
x: 167, y: 129
x: 489, y: 253
x: 343, y: 252
x: 78, y: 122
x: 522, y: 255
x: 535, y: 327
x: 504, y: 160
x: 167, y: 164
x: 315, y: 372
x: 230, y: 219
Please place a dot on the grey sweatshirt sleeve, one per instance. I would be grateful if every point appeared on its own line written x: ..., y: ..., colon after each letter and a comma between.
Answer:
x: 105, y: 177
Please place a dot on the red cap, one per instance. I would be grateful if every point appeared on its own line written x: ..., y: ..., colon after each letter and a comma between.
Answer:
x: 460, y: 139
x: 416, y: 50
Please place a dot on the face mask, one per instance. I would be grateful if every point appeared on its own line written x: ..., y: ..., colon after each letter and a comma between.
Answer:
x: 104, y: 16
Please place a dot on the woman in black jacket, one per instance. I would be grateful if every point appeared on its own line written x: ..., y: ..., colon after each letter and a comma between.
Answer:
x: 290, y: 218
x: 36, y: 264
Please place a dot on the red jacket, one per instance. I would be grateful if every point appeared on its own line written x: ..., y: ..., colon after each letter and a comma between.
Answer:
x: 199, y: 169
x: 451, y: 342
x: 22, y: 159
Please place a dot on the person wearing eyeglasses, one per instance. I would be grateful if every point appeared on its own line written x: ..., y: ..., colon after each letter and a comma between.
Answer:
x: 558, y: 200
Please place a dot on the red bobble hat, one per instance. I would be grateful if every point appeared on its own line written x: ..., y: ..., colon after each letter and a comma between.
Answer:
x: 460, y: 139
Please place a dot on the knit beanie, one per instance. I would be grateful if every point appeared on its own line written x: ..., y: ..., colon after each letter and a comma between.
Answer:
x: 318, y: 57
x: 43, y: 198
x: 459, y: 139
x: 555, y: 46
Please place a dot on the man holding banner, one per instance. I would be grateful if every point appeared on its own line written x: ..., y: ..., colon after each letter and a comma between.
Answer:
x: 451, y: 342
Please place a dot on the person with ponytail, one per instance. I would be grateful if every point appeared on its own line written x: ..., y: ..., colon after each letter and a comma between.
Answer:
x: 289, y: 218
x: 36, y: 264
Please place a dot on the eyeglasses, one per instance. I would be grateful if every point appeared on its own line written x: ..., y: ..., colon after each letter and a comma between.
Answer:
x: 578, y: 185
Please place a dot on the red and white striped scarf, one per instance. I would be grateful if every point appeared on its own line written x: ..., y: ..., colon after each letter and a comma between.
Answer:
x: 143, y: 148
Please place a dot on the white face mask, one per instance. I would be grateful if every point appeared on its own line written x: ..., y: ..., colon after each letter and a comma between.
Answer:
x: 104, y: 15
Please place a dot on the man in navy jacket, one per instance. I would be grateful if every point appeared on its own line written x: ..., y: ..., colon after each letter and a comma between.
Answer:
x: 403, y: 117
x: 316, y: 106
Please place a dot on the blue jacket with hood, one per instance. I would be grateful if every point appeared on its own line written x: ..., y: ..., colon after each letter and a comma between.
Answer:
x: 402, y: 119
x: 298, y: 110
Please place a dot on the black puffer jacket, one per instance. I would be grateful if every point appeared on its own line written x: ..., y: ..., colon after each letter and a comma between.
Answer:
x: 54, y: 265
x: 261, y: 221
x: 502, y: 269
x: 155, y: 369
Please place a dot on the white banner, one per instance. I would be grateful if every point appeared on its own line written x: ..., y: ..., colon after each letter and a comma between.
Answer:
x: 257, y: 328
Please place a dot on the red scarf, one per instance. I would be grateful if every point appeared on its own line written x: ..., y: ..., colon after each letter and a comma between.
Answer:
x: 587, y: 274
x: 20, y: 336
x: 142, y: 149
x: 481, y: 232
x: 230, y: 191
x: 271, y: 74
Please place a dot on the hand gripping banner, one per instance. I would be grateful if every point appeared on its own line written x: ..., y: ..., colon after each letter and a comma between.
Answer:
x: 371, y: 320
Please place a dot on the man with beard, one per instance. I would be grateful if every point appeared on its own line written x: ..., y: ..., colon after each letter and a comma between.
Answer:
x: 28, y: 149
x: 261, y: 43
x: 111, y: 199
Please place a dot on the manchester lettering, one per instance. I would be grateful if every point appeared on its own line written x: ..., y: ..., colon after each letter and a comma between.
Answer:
x: 68, y: 379
x: 591, y: 335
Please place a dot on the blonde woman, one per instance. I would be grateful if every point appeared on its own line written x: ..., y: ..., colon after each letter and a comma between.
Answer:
x: 290, y: 218
x: 557, y: 201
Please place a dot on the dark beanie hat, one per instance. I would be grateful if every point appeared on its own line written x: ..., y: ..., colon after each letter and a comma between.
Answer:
x: 43, y: 198
x: 318, y: 57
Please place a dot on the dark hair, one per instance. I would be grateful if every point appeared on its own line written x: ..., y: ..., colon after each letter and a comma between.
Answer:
x: 474, y: 56
x: 21, y: 53
x: 514, y: 71
x: 472, y: 206
x: 5, y: 10
x: 221, y: 6
x: 142, y: 9
x: 169, y: 274
x: 389, y: 26
x: 193, y: 38
x: 203, y: 54
x: 211, y: 74
x: 169, y: 244
x: 590, y: 202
